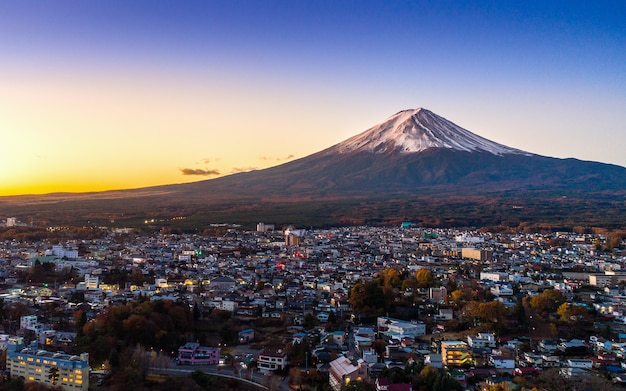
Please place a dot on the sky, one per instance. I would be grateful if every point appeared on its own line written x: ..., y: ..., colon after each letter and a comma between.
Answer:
x: 101, y: 95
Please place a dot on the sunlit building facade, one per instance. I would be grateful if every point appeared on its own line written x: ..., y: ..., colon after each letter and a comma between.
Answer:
x: 69, y: 372
x: 455, y: 353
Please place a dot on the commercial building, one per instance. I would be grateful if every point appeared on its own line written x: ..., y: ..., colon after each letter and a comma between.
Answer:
x: 192, y: 353
x: 69, y: 372
x: 476, y: 254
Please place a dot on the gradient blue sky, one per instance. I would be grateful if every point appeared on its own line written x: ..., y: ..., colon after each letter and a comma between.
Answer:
x: 99, y: 95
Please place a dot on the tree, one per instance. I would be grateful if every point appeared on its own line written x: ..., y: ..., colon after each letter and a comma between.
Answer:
x: 367, y: 298
x: 429, y: 375
x: 569, y: 313
x: 390, y: 277
x: 295, y: 377
x: 548, y: 301
x: 424, y: 278
x: 358, y: 385
x: 53, y: 375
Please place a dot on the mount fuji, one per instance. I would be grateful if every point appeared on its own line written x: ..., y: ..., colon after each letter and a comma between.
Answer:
x: 417, y: 151
x: 411, y: 131
x: 415, y: 165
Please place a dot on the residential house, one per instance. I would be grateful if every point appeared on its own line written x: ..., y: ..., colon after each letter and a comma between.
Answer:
x: 343, y: 371
x: 269, y: 360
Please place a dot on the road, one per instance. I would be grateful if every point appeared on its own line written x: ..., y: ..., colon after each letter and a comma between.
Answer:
x: 244, y: 375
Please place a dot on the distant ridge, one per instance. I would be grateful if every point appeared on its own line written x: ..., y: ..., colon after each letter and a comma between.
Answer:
x: 408, y: 167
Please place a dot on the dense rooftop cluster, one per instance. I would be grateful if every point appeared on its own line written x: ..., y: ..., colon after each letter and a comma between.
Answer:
x: 360, y: 304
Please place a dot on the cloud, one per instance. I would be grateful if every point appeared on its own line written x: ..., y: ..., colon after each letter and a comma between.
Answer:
x: 237, y: 170
x: 199, y: 171
x: 278, y: 159
x: 208, y: 160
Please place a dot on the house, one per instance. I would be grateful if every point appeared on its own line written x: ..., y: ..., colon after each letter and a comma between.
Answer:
x: 573, y: 347
x: 338, y: 337
x: 481, y: 341
x: 547, y: 346
x: 298, y: 338
x: 343, y: 371
x: 323, y: 317
x: 193, y: 354
x: 579, y: 363
x: 444, y: 314
x: 503, y: 363
x: 401, y: 328
x: 502, y: 290
x: 434, y: 360
x: 526, y: 371
x: 222, y: 284
x: 270, y: 360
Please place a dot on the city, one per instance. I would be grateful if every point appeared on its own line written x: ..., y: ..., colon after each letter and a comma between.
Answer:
x: 399, y: 307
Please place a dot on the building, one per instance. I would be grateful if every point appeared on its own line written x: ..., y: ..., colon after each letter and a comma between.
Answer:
x: 192, y: 353
x: 52, y: 369
x: 292, y: 236
x: 503, y: 363
x: 494, y: 276
x: 455, y: 353
x: 438, y: 294
x: 610, y: 277
x: 29, y: 322
x: 92, y: 282
x: 481, y: 341
x: 269, y: 360
x: 401, y: 328
x: 262, y: 227
x: 343, y: 371
x: 476, y: 254
x: 434, y: 360
x: 222, y: 284
x: 11, y: 221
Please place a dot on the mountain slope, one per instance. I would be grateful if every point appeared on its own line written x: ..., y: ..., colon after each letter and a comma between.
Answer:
x: 415, y: 165
x: 417, y: 151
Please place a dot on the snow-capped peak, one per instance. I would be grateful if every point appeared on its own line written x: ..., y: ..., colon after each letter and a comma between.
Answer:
x: 411, y: 131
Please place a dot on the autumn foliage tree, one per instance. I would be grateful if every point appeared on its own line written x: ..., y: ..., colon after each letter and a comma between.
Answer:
x: 546, y: 302
x: 367, y: 298
x: 424, y: 278
x: 160, y: 324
